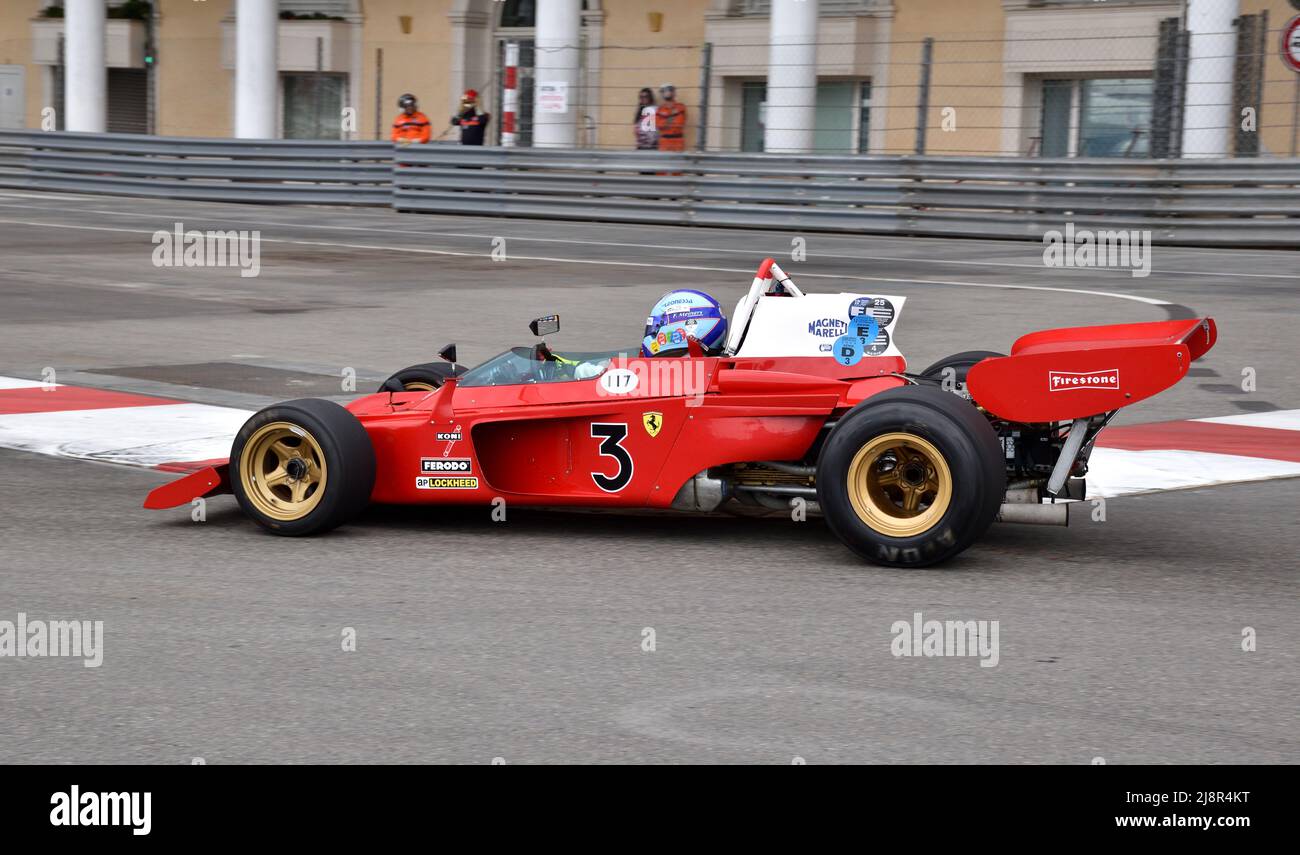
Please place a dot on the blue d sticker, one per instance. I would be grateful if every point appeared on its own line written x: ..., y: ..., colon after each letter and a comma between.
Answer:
x: 847, y: 350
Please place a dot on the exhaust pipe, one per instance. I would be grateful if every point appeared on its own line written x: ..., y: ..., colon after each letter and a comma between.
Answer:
x: 1025, y: 514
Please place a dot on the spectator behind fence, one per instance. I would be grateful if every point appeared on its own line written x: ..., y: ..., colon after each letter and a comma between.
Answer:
x: 645, y: 123
x: 670, y: 120
x: 410, y: 126
x: 473, y: 124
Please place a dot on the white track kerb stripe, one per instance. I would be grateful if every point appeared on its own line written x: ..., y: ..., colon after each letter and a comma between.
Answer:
x: 1119, y: 472
x: 171, y: 435
x: 148, y: 435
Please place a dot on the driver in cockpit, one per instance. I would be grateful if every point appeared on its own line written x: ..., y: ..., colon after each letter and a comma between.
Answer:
x: 680, y: 315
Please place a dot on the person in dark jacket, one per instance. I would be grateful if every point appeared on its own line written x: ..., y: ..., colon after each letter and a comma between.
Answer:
x: 472, y: 123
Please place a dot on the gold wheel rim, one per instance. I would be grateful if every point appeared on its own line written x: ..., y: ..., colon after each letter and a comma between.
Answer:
x: 899, y: 484
x: 283, y: 471
x: 417, y: 386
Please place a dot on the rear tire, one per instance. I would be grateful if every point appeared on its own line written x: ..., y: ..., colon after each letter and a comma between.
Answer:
x: 421, y: 378
x: 302, y: 467
x: 960, y: 363
x: 911, y: 477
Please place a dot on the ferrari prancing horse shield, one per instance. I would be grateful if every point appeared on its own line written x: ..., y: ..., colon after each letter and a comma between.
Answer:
x: 653, y: 422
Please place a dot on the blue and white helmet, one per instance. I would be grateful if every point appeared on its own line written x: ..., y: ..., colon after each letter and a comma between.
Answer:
x: 683, y: 313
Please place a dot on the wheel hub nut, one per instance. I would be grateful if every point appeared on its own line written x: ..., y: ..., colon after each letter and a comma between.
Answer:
x: 297, y: 468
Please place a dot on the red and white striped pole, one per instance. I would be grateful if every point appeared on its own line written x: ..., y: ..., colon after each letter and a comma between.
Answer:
x: 510, y: 96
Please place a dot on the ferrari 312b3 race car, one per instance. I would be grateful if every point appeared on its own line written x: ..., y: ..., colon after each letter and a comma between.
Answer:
x: 806, y: 399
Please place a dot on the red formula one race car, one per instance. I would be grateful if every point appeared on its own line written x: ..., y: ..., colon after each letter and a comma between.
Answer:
x: 807, y: 400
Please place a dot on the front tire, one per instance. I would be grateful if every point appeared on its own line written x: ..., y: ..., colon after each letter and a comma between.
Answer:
x: 911, y: 477
x: 302, y: 467
x: 421, y: 378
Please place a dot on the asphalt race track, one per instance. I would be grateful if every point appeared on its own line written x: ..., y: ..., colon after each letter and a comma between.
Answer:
x: 523, y: 640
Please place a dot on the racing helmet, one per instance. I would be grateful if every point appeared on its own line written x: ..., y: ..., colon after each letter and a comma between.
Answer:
x: 407, y: 100
x: 680, y: 314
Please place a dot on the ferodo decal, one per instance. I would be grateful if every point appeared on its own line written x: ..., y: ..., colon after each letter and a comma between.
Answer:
x: 458, y: 465
x: 653, y: 423
x: 611, y: 438
x: 1064, y: 381
x: 446, y: 483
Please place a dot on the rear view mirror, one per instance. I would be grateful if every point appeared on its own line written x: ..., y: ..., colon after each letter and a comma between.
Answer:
x: 548, y: 325
x: 448, y: 353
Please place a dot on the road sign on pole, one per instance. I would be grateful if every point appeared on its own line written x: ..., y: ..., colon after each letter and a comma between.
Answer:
x: 1291, y: 58
x: 1291, y: 44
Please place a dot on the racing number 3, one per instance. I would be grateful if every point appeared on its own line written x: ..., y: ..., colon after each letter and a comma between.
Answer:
x: 611, y: 445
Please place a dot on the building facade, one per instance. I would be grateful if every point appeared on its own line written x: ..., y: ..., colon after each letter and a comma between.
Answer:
x: 1049, y: 77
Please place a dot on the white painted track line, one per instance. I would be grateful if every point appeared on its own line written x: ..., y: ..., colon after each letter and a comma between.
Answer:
x: 18, y: 383
x: 1276, y: 420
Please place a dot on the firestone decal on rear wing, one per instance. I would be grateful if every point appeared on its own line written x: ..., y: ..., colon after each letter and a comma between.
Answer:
x: 1060, y: 381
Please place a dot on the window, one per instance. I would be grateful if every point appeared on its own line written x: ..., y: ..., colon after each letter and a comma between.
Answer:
x: 753, y: 111
x: 825, y: 9
x: 1058, y: 100
x: 128, y: 101
x: 519, y: 13
x: 1115, y: 118
x: 11, y: 97
x: 308, y: 8
x: 313, y: 105
x: 522, y: 13
x: 1097, y: 117
x: 864, y: 117
x: 839, y: 125
x: 833, y: 125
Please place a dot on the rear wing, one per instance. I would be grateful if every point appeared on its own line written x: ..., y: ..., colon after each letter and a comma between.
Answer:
x: 1077, y: 372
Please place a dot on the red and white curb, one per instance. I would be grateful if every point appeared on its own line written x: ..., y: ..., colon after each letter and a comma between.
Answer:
x: 114, y: 427
x: 157, y: 433
x: 1161, y: 456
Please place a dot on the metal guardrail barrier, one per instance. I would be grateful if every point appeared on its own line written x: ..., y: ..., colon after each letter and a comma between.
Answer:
x: 1241, y: 202
x: 220, y: 170
x: 1202, y: 202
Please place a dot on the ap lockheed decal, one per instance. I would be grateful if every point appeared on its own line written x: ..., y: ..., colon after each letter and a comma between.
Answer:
x: 1061, y: 381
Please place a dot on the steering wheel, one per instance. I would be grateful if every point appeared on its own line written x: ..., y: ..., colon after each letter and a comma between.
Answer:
x: 506, y: 374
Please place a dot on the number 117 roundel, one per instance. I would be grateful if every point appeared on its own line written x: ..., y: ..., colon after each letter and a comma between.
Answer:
x: 808, y: 403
